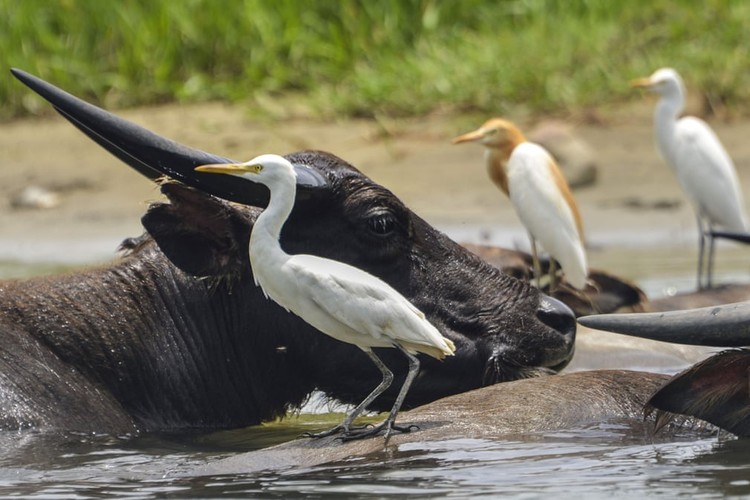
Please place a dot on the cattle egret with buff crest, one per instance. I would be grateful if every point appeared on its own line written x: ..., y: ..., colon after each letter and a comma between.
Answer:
x: 541, y: 197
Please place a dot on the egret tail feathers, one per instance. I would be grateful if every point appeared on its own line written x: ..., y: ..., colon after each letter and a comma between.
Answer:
x: 448, y: 348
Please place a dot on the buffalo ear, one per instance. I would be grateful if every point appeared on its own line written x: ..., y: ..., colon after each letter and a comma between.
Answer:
x: 715, y: 390
x: 202, y: 235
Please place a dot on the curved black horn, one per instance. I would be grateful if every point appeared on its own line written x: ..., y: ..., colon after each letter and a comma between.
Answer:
x: 153, y: 155
x: 718, y: 326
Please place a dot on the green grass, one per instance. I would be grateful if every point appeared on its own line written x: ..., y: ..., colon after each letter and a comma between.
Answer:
x: 374, y: 57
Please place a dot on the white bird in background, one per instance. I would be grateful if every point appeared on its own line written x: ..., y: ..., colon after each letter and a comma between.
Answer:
x: 339, y: 300
x: 541, y: 197
x: 703, y: 168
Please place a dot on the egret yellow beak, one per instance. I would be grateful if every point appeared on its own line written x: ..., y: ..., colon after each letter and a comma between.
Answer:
x: 231, y: 168
x: 476, y: 135
x: 641, y: 83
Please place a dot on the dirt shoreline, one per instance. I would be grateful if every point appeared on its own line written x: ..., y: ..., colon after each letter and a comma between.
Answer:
x: 101, y: 200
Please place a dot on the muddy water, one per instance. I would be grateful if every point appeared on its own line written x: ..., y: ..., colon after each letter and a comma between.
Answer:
x: 607, y: 459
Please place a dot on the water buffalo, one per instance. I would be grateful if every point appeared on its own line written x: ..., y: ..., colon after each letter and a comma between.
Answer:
x: 607, y: 293
x: 177, y: 336
x: 604, y: 292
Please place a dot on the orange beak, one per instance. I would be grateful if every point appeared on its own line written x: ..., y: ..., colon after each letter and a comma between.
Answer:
x: 641, y: 83
x: 474, y: 136
x: 230, y: 168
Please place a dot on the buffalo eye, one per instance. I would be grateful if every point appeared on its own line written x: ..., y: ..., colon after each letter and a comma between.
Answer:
x: 382, y: 224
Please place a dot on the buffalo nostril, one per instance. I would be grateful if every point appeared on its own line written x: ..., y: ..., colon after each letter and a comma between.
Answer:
x: 557, y: 316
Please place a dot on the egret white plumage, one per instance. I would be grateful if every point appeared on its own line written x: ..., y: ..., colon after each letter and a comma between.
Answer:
x: 703, y: 168
x: 340, y: 300
x: 541, y: 197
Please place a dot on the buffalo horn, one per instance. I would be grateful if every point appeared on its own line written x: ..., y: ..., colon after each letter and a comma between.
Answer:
x: 726, y: 325
x: 154, y: 156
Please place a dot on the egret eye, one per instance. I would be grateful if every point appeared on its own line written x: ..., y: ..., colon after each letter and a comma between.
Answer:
x: 382, y: 224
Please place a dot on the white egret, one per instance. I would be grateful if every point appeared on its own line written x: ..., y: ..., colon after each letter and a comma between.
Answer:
x: 703, y: 168
x: 541, y: 197
x: 339, y: 300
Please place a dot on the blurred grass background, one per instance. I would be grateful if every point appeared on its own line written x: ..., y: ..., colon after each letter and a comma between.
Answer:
x: 374, y: 57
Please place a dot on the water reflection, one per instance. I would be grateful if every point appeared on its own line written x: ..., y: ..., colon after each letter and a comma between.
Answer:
x: 591, y: 461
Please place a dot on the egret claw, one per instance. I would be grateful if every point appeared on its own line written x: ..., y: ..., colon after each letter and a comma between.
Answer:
x: 338, y: 429
x: 329, y: 432
x: 376, y: 429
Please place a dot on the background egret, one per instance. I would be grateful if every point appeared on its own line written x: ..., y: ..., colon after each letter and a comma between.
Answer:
x: 703, y: 168
x: 340, y: 300
x: 541, y: 197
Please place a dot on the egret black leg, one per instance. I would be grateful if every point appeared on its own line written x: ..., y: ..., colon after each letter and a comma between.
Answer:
x: 701, y: 251
x: 389, y: 424
x: 710, y: 260
x: 535, y: 262
x: 345, y: 426
x: 552, y: 274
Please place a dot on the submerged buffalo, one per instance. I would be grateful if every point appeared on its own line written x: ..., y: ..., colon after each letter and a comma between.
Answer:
x: 177, y: 336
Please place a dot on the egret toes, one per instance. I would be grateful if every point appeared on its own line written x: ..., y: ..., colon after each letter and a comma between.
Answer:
x: 339, y: 429
x: 330, y: 432
x: 387, y: 424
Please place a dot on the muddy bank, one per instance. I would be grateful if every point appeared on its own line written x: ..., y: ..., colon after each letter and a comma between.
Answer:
x: 635, y: 220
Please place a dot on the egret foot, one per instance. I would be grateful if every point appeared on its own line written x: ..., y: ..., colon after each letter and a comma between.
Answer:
x: 389, y: 424
x: 376, y: 429
x: 318, y: 435
x: 341, y: 428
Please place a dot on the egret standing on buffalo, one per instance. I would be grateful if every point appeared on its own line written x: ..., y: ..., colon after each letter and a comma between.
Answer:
x: 541, y: 197
x: 703, y: 168
x: 339, y: 300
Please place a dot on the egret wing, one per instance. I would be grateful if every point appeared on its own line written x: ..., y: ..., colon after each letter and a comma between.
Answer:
x: 544, y: 209
x: 366, y: 304
x: 535, y: 191
x: 707, y: 174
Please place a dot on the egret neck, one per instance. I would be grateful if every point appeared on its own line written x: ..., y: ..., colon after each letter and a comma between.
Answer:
x: 497, y: 156
x: 667, y: 111
x: 496, y: 160
x: 265, y: 249
x: 500, y: 137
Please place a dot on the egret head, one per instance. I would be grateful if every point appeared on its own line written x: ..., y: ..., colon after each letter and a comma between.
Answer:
x: 266, y: 169
x: 494, y: 133
x: 664, y: 81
